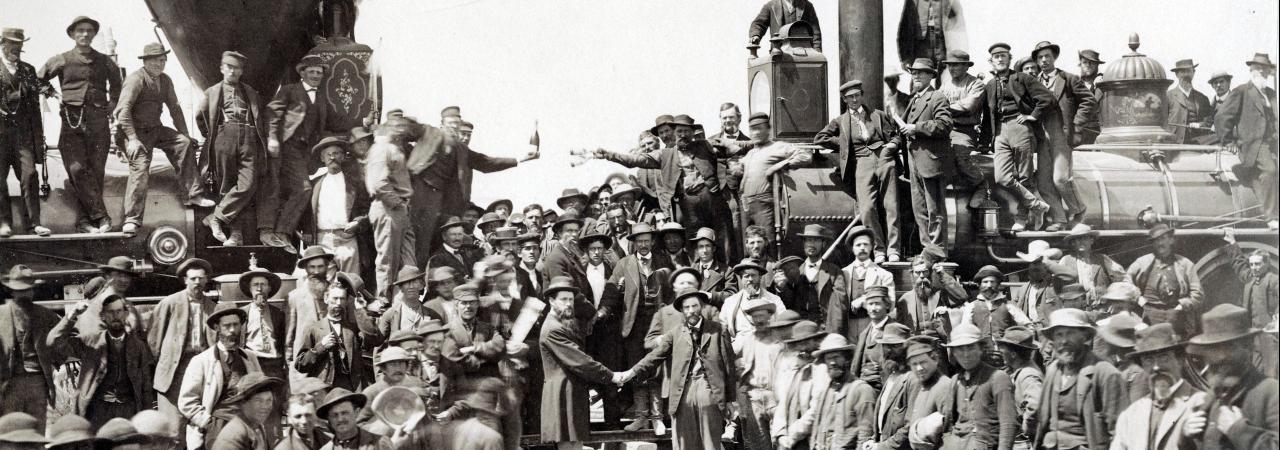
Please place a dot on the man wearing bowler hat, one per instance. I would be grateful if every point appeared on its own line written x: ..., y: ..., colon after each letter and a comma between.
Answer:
x: 116, y: 363
x: 964, y: 93
x: 984, y: 414
x: 26, y: 373
x: 90, y: 83
x: 1053, y: 158
x: 1155, y: 421
x: 23, y: 126
x: 1082, y: 394
x: 451, y: 254
x: 1169, y: 283
x: 299, y: 113
x: 178, y: 332
x: 927, y: 138
x: 810, y: 285
x: 407, y: 310
x: 1241, y: 409
x: 563, y: 258
x: 146, y: 92
x: 1189, y: 109
x: 339, y: 207
x: 868, y: 166
x: 1014, y: 103
x: 733, y: 314
x: 1090, y: 75
x: 1252, y: 129
x: 208, y: 382
x: 229, y: 116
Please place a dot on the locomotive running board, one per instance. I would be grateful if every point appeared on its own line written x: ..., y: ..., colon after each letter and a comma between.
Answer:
x: 68, y: 237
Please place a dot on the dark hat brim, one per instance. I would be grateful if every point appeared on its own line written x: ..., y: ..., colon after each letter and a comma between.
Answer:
x: 864, y: 231
x: 957, y: 61
x: 702, y: 296
x: 331, y: 142
x: 1135, y: 354
x: 302, y: 262
x: 561, y: 201
x: 357, y: 399
x: 1220, y: 338
x: 782, y: 324
x: 265, y: 385
x: 562, y: 222
x: 1260, y: 63
x: 798, y: 339
x: 212, y: 321
x: 494, y: 205
x: 585, y: 241
x: 551, y: 291
x: 193, y: 263
x: 1057, y: 51
x: 843, y: 348
x: 419, y: 276
x: 744, y: 266
x: 272, y: 279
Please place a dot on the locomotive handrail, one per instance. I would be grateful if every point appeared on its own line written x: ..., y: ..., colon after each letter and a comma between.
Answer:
x: 1261, y: 232
x: 1149, y: 147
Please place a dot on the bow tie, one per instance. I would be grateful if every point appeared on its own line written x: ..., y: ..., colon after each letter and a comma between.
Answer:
x: 311, y: 89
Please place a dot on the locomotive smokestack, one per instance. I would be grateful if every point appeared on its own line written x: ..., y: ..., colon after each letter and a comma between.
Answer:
x: 862, y: 47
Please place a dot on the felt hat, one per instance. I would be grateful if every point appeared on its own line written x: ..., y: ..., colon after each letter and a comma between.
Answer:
x: 683, y: 120
x: 493, y: 206
x: 558, y: 284
x: 495, y: 265
x: 570, y: 194
x: 503, y: 234
x: 313, y: 252
x: 308, y: 385
x: 749, y: 263
x: 223, y: 309
x: 409, y: 273
x: 392, y: 354
x: 702, y: 234
x: 83, y: 19
x: 1120, y: 330
x: 331, y: 141
x: 154, y: 424
x: 358, y: 133
x: 964, y: 334
x: 922, y: 65
x: 1019, y: 336
x: 802, y: 330
x: 19, y: 278
x: 814, y: 230
x: 451, y: 222
x: 1068, y: 318
x: 153, y: 50
x: 20, y: 428
x: 272, y: 279
x: 1184, y: 64
x: 531, y: 236
x: 702, y: 296
x: 1017, y: 66
x: 1091, y: 55
x: 569, y: 217
x: 70, y: 429
x: 623, y: 189
x: 894, y: 333
x: 759, y: 304
x: 1079, y: 231
x: 856, y: 232
x: 639, y: 229
x: 957, y: 56
x: 999, y: 47
x: 489, y: 218
x: 251, y: 384
x: 1220, y: 75
x: 585, y: 241
x: 432, y: 327
x: 783, y: 319
x: 1122, y: 291
x: 1036, y: 250
x: 1261, y: 59
x: 443, y: 273
x: 671, y: 228
x: 987, y: 271
x: 1158, y: 230
x: 193, y: 263
x: 758, y: 118
x: 234, y: 58
x: 1046, y: 45
x: 13, y: 35
x: 833, y: 343
x: 401, y: 336
x: 338, y: 396
x: 850, y: 85
x: 1154, y: 339
x: 1224, y: 323
x: 665, y: 119
x: 119, y: 264
x: 353, y: 283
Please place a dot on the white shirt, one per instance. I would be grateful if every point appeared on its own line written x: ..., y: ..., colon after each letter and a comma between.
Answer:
x: 811, y: 270
x: 311, y: 91
x: 736, y: 320
x: 331, y: 209
x: 11, y: 65
x: 1033, y: 301
x: 195, y: 325
x: 259, y: 337
x: 596, y: 278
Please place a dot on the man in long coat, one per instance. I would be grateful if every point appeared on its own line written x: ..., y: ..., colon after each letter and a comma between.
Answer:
x: 206, y: 383
x: 178, y: 333
x: 567, y: 370
x: 1190, y: 113
x: 20, y: 92
x: 1247, y: 119
x: 26, y: 361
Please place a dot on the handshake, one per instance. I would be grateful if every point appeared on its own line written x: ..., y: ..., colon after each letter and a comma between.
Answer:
x: 621, y: 378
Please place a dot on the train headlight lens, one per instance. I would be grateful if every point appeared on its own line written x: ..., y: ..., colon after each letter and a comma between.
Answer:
x: 167, y: 245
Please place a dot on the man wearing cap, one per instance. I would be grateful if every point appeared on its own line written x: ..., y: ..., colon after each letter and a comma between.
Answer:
x: 331, y: 349
x: 1190, y: 114
x: 984, y: 413
x: 1014, y: 103
x: 1082, y: 394
x: 18, y: 431
x: 229, y: 116
x: 703, y: 374
x: 90, y: 83
x: 208, y: 382
x: 338, y: 205
x: 475, y: 346
x: 926, y: 307
x: 1095, y: 271
x: 340, y: 409
x: 1155, y: 421
x: 390, y: 188
x: 146, y: 92
x: 306, y: 300
x: 760, y: 161
x: 1090, y: 75
x: 1075, y: 106
x: 115, y: 362
x: 1242, y: 406
x: 1253, y: 132
x: 568, y: 370
x: 850, y: 318
x: 178, y: 332
x: 868, y: 165
x: 246, y: 428
x: 809, y: 286
x: 1018, y: 348
x: 776, y: 14
x: 925, y: 392
x: 964, y: 93
x: 1169, y: 283
x: 733, y: 314
x: 799, y: 377
x: 1260, y: 294
x: 26, y: 373
x: 927, y: 137
x: 20, y: 91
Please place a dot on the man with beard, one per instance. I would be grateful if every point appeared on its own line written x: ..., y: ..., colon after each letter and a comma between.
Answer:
x: 703, y: 375
x: 246, y: 427
x: 925, y: 308
x: 1259, y: 295
x: 883, y: 332
x: 1242, y: 407
x: 331, y: 348
x: 115, y: 362
x: 20, y: 92
x: 1155, y: 421
x: 1018, y: 349
x: 453, y: 236
x: 1090, y: 61
x: 984, y: 414
x: 640, y: 301
x: 1094, y: 271
x: 932, y: 394
x: 810, y: 285
x: 263, y: 330
x: 306, y: 300
x: 393, y: 362
x: 868, y: 166
x: 991, y: 310
x: 562, y: 258
x: 1082, y: 395
x: 733, y: 314
x: 340, y: 409
x: 339, y: 205
x: 927, y: 136
x: 208, y: 381
x: 1253, y: 132
x: 894, y: 401
x: 760, y: 160
x: 407, y: 311
x: 1169, y: 283
x: 1113, y: 344
x: 177, y: 333
x: 568, y: 371
x: 1015, y: 103
x: 846, y: 409
x: 1074, y: 107
x: 618, y: 226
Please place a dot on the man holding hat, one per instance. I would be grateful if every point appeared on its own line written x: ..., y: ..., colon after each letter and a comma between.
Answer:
x: 20, y: 97
x: 1095, y: 271
x: 90, y: 83
x: 927, y: 306
x: 1169, y: 283
x: 116, y: 363
x: 18, y: 432
x: 1156, y: 421
x: 1253, y: 131
x: 207, y: 384
x: 1090, y: 75
x: 1190, y: 113
x: 395, y: 364
x: 809, y: 286
x: 26, y: 373
x: 868, y: 165
x: 1015, y: 102
x: 850, y: 318
x: 964, y: 93
x: 340, y: 409
x: 984, y: 414
x: 927, y: 137
x: 1053, y: 158
x: 331, y: 349
x: 1242, y: 406
x: 760, y: 161
x: 247, y: 427
x: 1082, y: 394
x: 339, y: 206
x: 229, y: 116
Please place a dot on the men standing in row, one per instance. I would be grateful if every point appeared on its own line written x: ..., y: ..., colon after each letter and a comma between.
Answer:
x: 146, y: 92
x: 868, y: 157
x: 298, y: 116
x: 228, y: 117
x: 90, y: 83
x: 1253, y: 130
x: 20, y: 129
x: 26, y: 370
x: 115, y: 363
x: 927, y: 134
x: 1053, y: 162
x: 178, y: 333
x: 1190, y: 114
x: 1015, y: 103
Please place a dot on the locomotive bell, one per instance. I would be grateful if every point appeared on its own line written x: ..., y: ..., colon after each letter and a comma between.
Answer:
x: 1134, y: 108
x: 790, y: 84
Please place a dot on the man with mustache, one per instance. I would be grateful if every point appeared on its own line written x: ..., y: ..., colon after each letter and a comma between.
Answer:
x: 306, y: 300
x: 902, y: 385
x: 1170, y: 285
x: 177, y: 333
x: 1155, y: 421
x: 263, y: 333
x: 925, y: 308
x: 1253, y: 131
x: 1093, y: 270
x: 1259, y: 295
x: 851, y: 318
x: 984, y: 414
x: 794, y: 378
x: 115, y: 362
x: 1242, y: 407
x: 331, y: 348
x: 1015, y: 103
x: 844, y: 416
x: 927, y: 137
x: 339, y: 205
x: 1066, y: 417
x: 207, y: 383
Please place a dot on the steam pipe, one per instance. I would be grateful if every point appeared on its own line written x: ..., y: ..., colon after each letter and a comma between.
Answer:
x: 861, y: 47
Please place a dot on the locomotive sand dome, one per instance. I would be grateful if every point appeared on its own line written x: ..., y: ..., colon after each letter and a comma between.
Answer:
x: 1133, y: 178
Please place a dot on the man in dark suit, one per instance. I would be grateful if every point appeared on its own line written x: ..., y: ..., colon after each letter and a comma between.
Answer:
x: 453, y: 235
x: 811, y: 285
x: 1090, y: 75
x: 1190, y: 113
x: 530, y: 278
x: 1075, y: 106
x: 778, y: 13
x: 20, y: 91
x: 868, y: 166
x: 264, y: 332
x: 716, y: 277
x: 298, y: 115
x: 730, y: 167
x: 927, y: 135
x: 884, y: 335
x: 230, y: 118
x: 1090, y: 391
x: 339, y: 208
x: 568, y: 370
x: 247, y: 429
x: 115, y: 362
x: 26, y: 361
x: 984, y: 414
x: 634, y: 287
x: 332, y: 348
x: 563, y: 259
x: 932, y: 288
x: 177, y: 332
x: 474, y: 346
x: 703, y: 374
x: 1015, y: 103
x: 1248, y: 120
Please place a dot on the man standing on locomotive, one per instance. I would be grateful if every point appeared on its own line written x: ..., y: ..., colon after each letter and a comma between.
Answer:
x: 1015, y: 102
x: 927, y: 133
x: 228, y: 117
x: 298, y: 114
x: 20, y: 125
x: 1253, y: 130
x: 1074, y: 106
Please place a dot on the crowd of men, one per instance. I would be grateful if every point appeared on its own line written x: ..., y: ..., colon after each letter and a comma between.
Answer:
x: 654, y: 294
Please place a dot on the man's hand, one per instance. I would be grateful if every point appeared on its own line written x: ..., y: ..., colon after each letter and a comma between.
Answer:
x: 517, y: 348
x: 80, y: 308
x: 1195, y: 423
x: 785, y: 443
x: 621, y: 378
x: 350, y: 228
x: 1228, y: 416
x: 779, y: 278
x: 1024, y: 118
x: 132, y: 148
x: 273, y: 148
x: 444, y: 416
x: 856, y: 304
x: 329, y: 341
x: 599, y: 153
x: 1229, y: 235
x: 909, y: 130
x: 467, y: 350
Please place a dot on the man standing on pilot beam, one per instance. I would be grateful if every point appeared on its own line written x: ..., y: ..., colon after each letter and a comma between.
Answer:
x: 228, y: 117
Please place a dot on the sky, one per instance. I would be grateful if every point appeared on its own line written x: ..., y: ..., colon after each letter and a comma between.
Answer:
x: 595, y: 73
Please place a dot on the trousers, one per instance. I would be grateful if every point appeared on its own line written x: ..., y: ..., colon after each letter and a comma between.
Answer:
x: 1264, y: 181
x: 393, y: 239
x: 17, y: 153
x: 1053, y: 175
x: 84, y: 142
x: 236, y: 151
x: 927, y: 202
x: 428, y: 204
x: 345, y: 249
x: 698, y: 421
x: 1013, y: 164
x: 294, y: 186
x: 875, y: 183
x: 178, y: 149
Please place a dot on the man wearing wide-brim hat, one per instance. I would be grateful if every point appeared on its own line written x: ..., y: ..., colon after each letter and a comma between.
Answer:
x: 213, y: 373
x: 330, y: 348
x: 1011, y: 132
x: 811, y: 284
x: 798, y: 375
x: 1190, y: 113
x: 177, y: 332
x: 72, y: 432
x: 1075, y: 107
x: 407, y: 310
x: 338, y: 206
x: 340, y: 409
x: 24, y: 120
x: 1170, y: 285
x: 27, y: 367
x: 1221, y: 83
x: 1082, y: 393
x: 845, y: 396
x: 264, y: 329
x: 256, y: 409
x: 1019, y: 348
x: 1241, y: 413
x: 116, y: 362
x: 732, y: 314
x: 90, y: 84
x: 986, y: 415
x: 18, y: 432
x: 1093, y: 270
x: 146, y: 92
x: 964, y: 93
x: 562, y: 257
x: 757, y: 354
x: 1155, y: 421
x: 1252, y: 131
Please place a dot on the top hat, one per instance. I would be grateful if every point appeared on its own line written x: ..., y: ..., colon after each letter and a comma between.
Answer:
x: 964, y: 334
x: 894, y: 333
x: 120, y: 264
x: 1046, y: 45
x: 923, y: 65
x: 1224, y: 323
x: 814, y: 230
x: 1184, y: 64
x: 801, y: 331
x: 13, y: 35
x: 1261, y: 59
x: 1079, y: 231
x: 1154, y: 339
x: 19, y: 278
x: 957, y: 56
x: 152, y: 50
x: 858, y: 231
x: 83, y: 19
x: 832, y: 343
x: 558, y: 284
x: 223, y: 309
x: 20, y: 428
x: 338, y: 396
x: 193, y: 263
x: 1091, y: 55
x: 330, y: 142
x: 704, y: 233
x: 408, y: 273
x: 1019, y: 336
x: 251, y: 384
x: 1068, y: 318
x: 313, y: 252
x: 665, y: 119
x: 272, y: 279
x: 70, y: 429
x: 569, y: 194
x: 783, y: 319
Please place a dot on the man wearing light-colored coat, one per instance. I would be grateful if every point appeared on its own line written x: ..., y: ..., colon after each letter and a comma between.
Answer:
x: 202, y: 387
